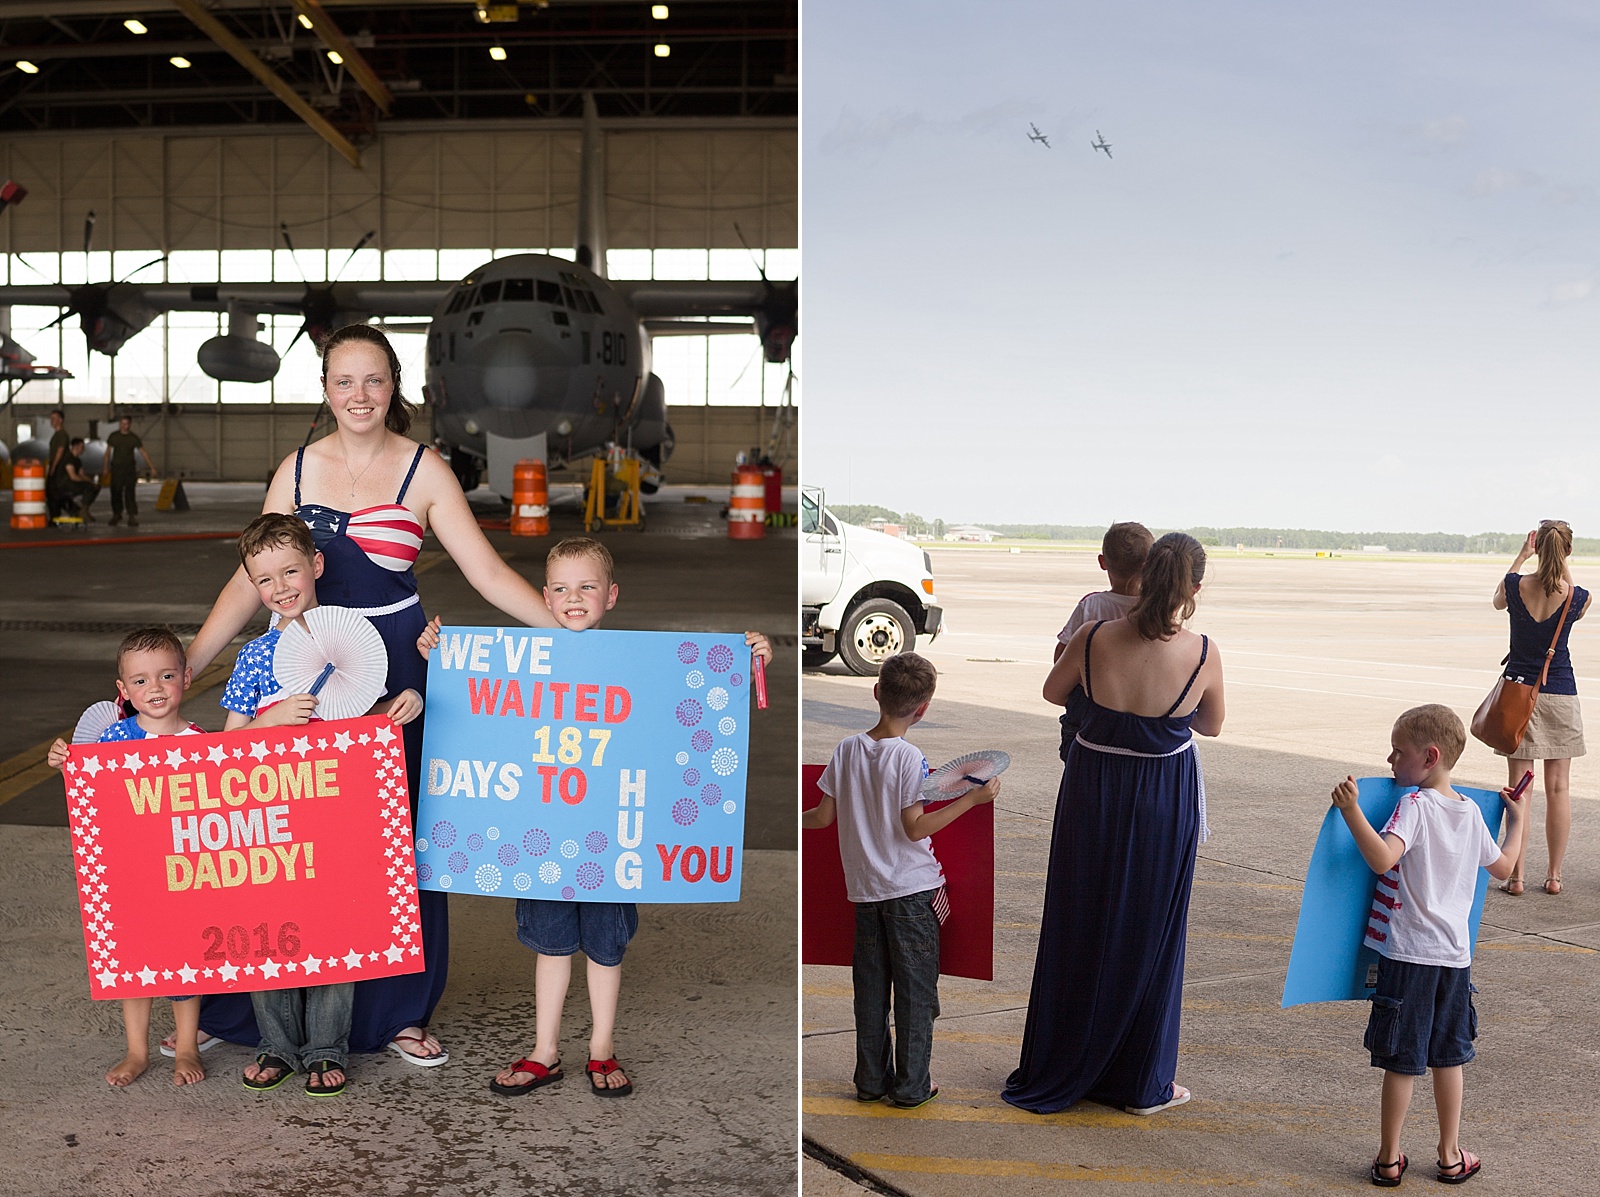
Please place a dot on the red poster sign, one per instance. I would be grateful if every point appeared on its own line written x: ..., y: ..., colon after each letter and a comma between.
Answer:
x: 247, y: 860
x: 965, y: 850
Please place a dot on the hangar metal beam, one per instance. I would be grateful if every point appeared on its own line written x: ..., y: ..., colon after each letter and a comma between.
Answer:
x: 333, y: 37
x: 217, y: 32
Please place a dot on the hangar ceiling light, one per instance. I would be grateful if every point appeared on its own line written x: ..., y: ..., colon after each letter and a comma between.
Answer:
x: 498, y: 53
x: 305, y: 21
x: 26, y: 67
x: 658, y: 11
x: 663, y: 50
x: 336, y: 58
x: 135, y: 25
x: 179, y: 61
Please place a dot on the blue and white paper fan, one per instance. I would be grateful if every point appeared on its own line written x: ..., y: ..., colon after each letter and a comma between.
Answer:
x: 339, y: 637
x: 954, y: 778
x: 94, y: 721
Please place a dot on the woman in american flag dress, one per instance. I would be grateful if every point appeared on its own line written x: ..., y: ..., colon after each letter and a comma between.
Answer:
x: 369, y: 493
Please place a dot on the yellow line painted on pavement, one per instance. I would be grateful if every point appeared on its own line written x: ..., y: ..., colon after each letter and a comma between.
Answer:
x: 1250, y: 884
x: 21, y: 772
x: 1249, y: 937
x: 876, y: 1162
x: 1030, y: 876
x: 1084, y: 1114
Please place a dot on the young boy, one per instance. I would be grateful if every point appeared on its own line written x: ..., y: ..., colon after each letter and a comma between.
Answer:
x: 579, y: 588
x: 1122, y: 553
x: 152, y: 675
x: 1427, y: 861
x: 873, y: 786
x: 306, y: 1028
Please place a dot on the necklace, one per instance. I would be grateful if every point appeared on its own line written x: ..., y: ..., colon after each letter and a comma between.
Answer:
x: 354, y: 477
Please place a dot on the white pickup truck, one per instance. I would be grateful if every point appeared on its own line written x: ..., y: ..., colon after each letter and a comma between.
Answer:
x: 864, y: 596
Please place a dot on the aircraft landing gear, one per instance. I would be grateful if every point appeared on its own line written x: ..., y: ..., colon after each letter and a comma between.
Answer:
x: 465, y: 467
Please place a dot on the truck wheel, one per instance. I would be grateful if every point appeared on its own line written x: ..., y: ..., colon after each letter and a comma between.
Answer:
x: 874, y: 632
x: 815, y: 658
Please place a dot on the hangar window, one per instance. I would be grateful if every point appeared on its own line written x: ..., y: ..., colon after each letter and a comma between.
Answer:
x: 517, y: 290
x: 488, y: 293
x: 549, y: 292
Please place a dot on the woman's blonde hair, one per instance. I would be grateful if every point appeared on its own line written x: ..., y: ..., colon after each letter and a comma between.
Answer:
x: 1552, y: 544
x: 1175, y: 566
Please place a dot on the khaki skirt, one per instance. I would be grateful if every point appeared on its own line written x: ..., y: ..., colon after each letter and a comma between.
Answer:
x: 1554, y: 733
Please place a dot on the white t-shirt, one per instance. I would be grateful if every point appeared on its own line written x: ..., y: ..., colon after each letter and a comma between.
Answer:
x: 1102, y: 604
x: 871, y: 782
x: 1421, y: 906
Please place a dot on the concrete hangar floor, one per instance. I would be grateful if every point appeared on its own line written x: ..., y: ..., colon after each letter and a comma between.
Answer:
x: 707, y: 1026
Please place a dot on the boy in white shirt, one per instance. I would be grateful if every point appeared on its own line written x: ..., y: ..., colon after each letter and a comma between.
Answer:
x: 1427, y: 860
x: 1122, y: 552
x: 873, y: 786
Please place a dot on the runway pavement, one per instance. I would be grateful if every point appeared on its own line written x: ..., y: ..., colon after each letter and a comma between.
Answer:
x: 707, y: 1026
x: 1319, y: 656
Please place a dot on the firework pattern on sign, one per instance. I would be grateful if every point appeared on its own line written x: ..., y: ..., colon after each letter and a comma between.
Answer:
x: 111, y: 976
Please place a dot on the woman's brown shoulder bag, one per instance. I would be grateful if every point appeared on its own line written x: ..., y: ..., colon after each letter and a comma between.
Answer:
x: 1503, y: 718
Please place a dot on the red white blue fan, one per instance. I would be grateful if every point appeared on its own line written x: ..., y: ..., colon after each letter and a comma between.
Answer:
x: 338, y: 656
x: 954, y: 778
x: 94, y: 721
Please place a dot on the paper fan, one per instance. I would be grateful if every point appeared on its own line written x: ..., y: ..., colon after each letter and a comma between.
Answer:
x: 954, y: 778
x: 334, y: 636
x: 94, y: 721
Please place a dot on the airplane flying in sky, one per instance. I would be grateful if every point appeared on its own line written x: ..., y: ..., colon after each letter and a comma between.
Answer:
x: 1102, y: 143
x: 522, y: 345
x: 1038, y: 136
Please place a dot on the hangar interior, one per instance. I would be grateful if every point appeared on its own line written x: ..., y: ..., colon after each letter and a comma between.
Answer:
x: 140, y: 171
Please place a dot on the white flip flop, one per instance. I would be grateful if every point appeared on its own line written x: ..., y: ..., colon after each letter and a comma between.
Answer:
x: 172, y: 1053
x: 411, y: 1058
x: 1179, y: 1096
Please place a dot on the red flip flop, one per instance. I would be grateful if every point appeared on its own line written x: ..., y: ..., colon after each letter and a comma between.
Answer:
x: 542, y: 1076
x: 598, y: 1070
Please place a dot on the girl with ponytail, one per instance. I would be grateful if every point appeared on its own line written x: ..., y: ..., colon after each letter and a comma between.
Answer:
x: 1108, y: 981
x: 1537, y: 604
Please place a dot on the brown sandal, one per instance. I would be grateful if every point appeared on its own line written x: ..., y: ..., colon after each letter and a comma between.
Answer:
x: 1512, y: 886
x: 1548, y: 882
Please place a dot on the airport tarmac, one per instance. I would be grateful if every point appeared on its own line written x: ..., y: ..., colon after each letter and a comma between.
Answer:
x: 1319, y: 657
x: 707, y: 1026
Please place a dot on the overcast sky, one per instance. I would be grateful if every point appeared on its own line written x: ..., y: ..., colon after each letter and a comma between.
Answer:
x: 1341, y: 272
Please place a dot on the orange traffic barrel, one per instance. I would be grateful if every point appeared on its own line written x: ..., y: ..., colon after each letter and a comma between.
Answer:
x: 747, y: 513
x: 27, y: 495
x: 530, y: 499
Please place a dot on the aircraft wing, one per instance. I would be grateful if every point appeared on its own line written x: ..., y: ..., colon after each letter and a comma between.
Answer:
x: 376, y: 298
x: 668, y: 298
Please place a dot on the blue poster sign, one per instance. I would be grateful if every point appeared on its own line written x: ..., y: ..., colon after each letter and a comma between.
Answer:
x: 586, y: 766
x: 1329, y: 962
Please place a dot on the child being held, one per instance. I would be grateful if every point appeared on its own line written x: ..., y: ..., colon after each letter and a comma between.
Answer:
x: 152, y: 675
x: 308, y: 1028
x: 579, y: 589
x: 1122, y: 554
x: 1427, y: 860
x: 873, y: 786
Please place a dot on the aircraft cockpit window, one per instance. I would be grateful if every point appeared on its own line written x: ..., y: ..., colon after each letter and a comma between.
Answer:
x: 488, y: 293
x: 549, y: 292
x: 518, y: 290
x: 582, y: 301
x: 571, y: 303
x: 594, y: 304
x: 463, y: 299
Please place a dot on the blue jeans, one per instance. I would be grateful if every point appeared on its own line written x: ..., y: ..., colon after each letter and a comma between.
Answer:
x: 896, y: 958
x: 304, y: 1026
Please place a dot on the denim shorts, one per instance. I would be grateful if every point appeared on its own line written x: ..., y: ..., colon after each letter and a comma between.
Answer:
x: 601, y: 929
x: 1422, y: 1017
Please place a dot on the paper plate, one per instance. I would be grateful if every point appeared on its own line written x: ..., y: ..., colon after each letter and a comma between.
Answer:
x: 951, y: 779
x: 94, y: 721
x: 339, y: 637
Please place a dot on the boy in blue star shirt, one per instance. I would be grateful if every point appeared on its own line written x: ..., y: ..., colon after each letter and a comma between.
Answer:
x: 307, y: 1028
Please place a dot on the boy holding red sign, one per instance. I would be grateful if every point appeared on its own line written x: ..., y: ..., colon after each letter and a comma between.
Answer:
x: 152, y: 674
x: 579, y: 588
x: 306, y: 1028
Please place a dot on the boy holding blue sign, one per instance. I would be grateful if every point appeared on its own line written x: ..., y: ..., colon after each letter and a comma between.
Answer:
x: 1427, y: 859
x: 579, y: 589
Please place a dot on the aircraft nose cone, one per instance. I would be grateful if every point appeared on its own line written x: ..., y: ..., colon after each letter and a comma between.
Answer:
x: 512, y: 376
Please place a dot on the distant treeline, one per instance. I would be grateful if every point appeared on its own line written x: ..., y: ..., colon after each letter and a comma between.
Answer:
x: 1305, y: 539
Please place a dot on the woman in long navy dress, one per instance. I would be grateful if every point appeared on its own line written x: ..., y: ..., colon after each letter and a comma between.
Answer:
x: 1108, y: 982
x: 369, y: 494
